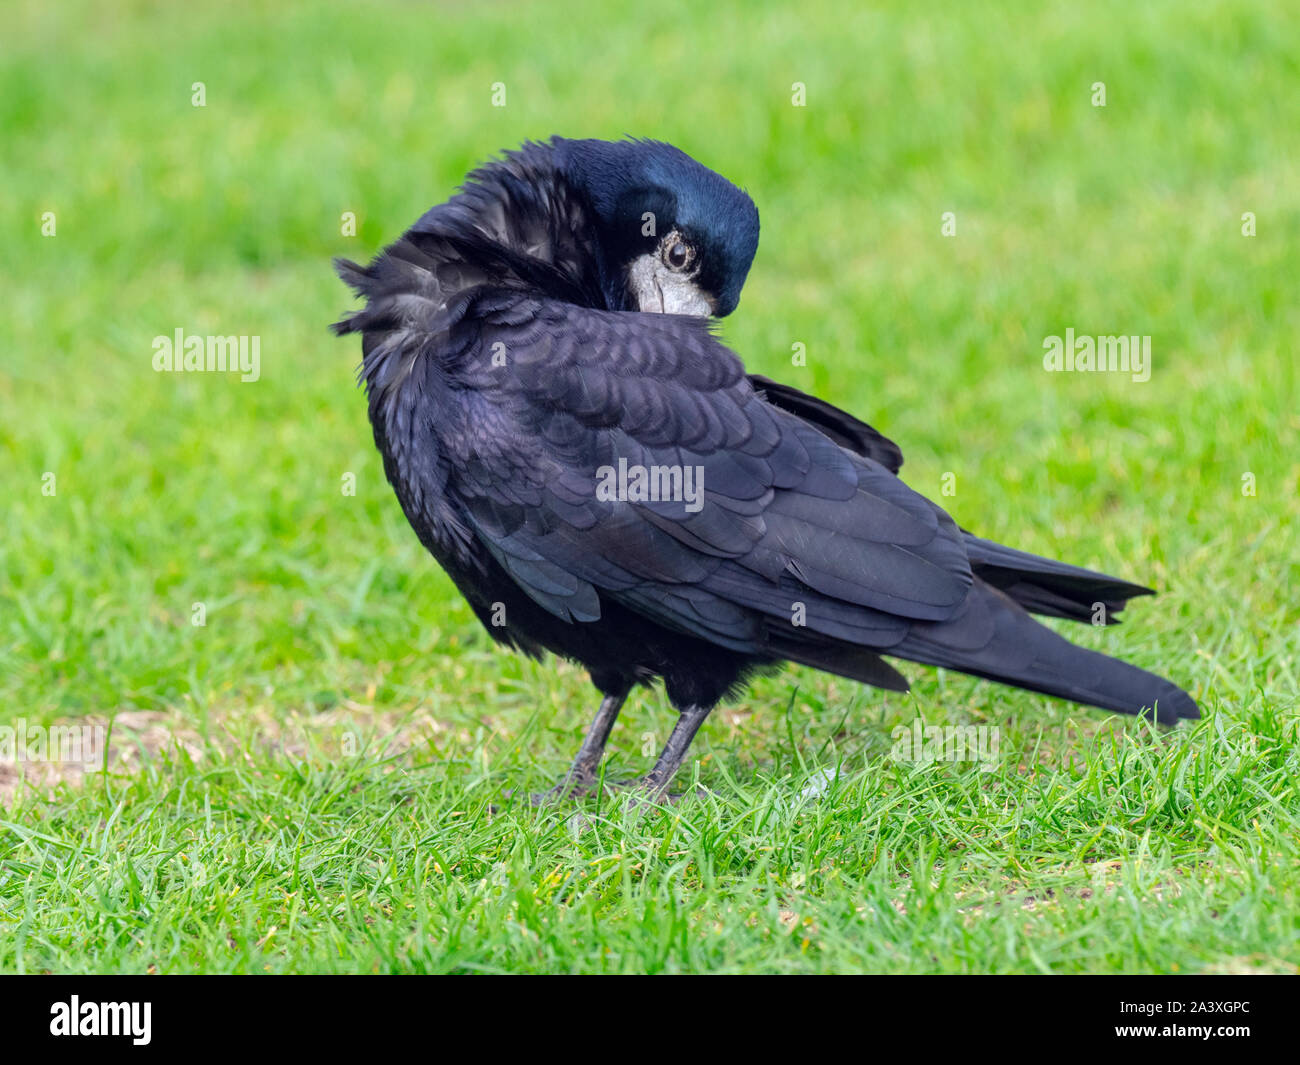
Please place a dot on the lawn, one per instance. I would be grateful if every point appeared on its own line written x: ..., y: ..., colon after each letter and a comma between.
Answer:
x: 309, y: 728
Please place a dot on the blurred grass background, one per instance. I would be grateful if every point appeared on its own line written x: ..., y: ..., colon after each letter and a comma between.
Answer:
x: 195, y: 488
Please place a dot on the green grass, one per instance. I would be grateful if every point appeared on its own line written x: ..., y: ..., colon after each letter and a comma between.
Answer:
x: 303, y: 783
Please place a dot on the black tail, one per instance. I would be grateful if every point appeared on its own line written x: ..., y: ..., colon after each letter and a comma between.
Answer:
x: 1044, y: 586
x: 994, y: 638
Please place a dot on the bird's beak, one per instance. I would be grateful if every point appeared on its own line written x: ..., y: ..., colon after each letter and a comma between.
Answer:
x: 658, y: 290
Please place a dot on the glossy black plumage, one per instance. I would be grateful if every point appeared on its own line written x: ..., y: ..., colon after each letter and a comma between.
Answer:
x: 505, y: 367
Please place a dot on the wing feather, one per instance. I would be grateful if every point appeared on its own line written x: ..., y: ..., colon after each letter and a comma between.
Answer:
x: 788, y: 516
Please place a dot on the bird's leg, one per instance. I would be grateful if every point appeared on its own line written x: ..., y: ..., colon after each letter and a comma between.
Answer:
x: 582, y: 774
x: 655, y: 783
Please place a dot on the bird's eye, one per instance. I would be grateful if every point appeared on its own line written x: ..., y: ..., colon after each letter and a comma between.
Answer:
x: 677, y: 254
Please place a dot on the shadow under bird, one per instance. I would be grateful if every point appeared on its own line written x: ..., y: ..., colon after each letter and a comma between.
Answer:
x: 602, y: 479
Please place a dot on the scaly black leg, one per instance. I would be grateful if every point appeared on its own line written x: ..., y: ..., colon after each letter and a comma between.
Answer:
x: 582, y: 775
x: 655, y: 783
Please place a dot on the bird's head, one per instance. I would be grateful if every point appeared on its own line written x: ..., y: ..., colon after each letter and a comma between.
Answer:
x: 673, y: 236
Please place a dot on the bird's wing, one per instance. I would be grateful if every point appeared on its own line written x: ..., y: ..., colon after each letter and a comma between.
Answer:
x: 791, y: 531
x: 840, y: 426
x: 1040, y: 585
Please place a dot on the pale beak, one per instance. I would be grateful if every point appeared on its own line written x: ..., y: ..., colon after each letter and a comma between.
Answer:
x: 659, y: 290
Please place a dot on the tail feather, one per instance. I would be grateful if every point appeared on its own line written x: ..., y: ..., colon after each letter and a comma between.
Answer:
x: 995, y: 639
x: 1045, y: 586
x: 835, y: 656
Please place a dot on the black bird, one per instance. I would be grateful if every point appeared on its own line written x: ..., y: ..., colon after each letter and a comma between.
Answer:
x: 601, y: 478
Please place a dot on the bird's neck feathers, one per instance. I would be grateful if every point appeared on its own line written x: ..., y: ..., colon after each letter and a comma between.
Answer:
x: 520, y: 222
x: 516, y: 226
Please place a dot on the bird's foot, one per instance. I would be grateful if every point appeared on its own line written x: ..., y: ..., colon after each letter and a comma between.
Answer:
x: 572, y: 786
x: 641, y: 791
x: 650, y: 791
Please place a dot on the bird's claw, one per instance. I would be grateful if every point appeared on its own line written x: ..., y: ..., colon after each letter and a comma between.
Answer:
x: 572, y: 786
x: 645, y: 791
x: 653, y: 792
